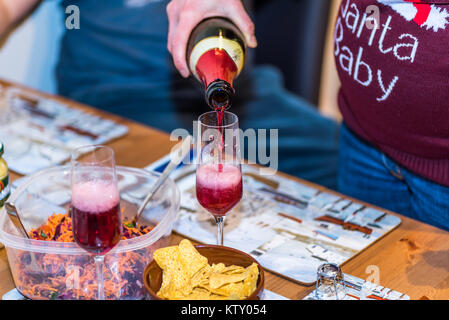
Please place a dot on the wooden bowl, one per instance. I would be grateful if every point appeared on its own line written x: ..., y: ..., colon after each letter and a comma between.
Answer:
x: 152, y: 276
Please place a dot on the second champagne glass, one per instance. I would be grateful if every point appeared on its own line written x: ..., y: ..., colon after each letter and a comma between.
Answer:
x: 219, y: 174
x: 95, y: 206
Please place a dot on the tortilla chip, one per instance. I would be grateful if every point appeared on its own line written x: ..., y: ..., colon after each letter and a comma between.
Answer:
x: 199, y: 294
x: 217, y: 297
x: 164, y: 256
x: 234, y: 289
x: 233, y: 296
x: 218, y: 267
x: 250, y: 283
x: 217, y: 280
x: 175, y: 277
x: 233, y: 269
x: 201, y: 276
x: 193, y: 260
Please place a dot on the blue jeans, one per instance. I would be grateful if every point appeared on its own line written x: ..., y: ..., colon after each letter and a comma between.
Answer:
x: 367, y: 174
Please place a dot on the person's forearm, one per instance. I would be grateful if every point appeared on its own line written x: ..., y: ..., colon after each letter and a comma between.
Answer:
x: 5, y: 19
x: 13, y: 11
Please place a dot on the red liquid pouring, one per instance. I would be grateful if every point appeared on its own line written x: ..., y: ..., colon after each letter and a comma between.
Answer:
x: 218, y: 191
x: 220, y: 109
x: 96, y: 217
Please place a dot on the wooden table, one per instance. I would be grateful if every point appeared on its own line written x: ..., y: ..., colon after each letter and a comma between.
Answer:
x: 412, y: 259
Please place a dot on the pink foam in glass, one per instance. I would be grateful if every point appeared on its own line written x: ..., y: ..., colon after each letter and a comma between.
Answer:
x: 94, y: 196
x: 218, y: 187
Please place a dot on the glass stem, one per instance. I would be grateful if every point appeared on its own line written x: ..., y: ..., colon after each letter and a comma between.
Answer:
x: 99, y: 263
x: 220, y: 223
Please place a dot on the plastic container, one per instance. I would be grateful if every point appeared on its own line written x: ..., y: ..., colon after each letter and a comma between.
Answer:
x: 57, y: 270
x: 4, y: 178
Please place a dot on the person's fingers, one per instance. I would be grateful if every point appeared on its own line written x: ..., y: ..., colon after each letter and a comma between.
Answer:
x: 240, y: 17
x: 187, y: 22
x: 173, y: 16
x: 171, y: 33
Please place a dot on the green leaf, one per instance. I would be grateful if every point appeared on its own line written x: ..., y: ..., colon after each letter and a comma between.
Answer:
x: 130, y: 225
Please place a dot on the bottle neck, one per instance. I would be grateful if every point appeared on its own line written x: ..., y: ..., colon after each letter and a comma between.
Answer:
x: 219, y: 95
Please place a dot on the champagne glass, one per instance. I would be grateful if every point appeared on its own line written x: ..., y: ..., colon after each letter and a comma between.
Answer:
x: 95, y: 206
x: 219, y: 172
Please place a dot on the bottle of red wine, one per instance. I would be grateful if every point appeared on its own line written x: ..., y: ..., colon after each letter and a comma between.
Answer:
x: 216, y: 55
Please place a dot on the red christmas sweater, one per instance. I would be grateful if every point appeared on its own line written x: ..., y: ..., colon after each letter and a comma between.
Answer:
x: 392, y: 58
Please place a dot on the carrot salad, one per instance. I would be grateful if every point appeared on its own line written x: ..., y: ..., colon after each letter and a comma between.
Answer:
x: 59, y: 228
x: 56, y: 276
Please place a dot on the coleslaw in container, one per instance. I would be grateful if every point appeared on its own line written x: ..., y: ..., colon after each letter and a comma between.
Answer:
x: 63, y: 270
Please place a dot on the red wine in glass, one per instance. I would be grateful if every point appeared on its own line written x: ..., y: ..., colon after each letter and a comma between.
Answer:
x: 96, y: 216
x: 218, y: 187
x: 95, y: 209
x: 219, y: 173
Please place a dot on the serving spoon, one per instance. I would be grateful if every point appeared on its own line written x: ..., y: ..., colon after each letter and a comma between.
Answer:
x: 179, y: 152
x: 13, y: 214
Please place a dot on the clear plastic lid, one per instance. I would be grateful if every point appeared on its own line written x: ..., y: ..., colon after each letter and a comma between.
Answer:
x: 48, y: 192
